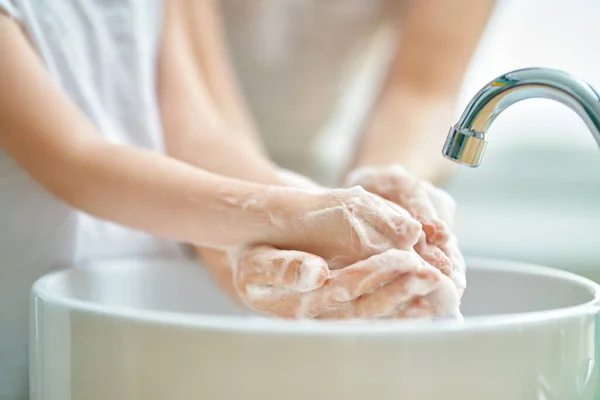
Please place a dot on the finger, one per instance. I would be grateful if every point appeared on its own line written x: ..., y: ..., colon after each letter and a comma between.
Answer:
x: 433, y: 255
x: 394, y: 224
x: 359, y: 279
x: 458, y: 274
x: 443, y: 203
x: 294, y: 270
x: 445, y: 300
x: 394, y: 183
x: 364, y: 242
x: 418, y: 308
x: 418, y: 203
x: 435, y: 231
x: 376, y: 226
x: 272, y: 300
x: 270, y: 281
x: 389, y: 298
x: 217, y: 263
x: 410, y: 229
x: 342, y: 287
x: 345, y: 311
x: 373, y: 298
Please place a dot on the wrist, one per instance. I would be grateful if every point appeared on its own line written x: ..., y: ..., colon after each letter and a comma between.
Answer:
x: 288, y: 210
x: 408, y: 129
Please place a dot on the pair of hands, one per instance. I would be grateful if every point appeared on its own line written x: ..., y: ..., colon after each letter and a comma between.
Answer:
x: 381, y: 251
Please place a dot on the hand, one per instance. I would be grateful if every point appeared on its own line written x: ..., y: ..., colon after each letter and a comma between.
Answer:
x: 390, y: 284
x: 429, y: 205
x: 343, y: 226
x: 433, y: 207
x: 293, y: 284
x: 274, y: 282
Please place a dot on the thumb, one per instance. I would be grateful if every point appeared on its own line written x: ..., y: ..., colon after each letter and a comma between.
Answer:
x: 267, y: 266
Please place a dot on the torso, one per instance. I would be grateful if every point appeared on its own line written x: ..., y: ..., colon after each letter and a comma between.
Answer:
x: 103, y: 54
x: 296, y: 59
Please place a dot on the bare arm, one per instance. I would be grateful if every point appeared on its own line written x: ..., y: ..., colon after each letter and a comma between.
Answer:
x: 202, y: 21
x: 187, y: 89
x: 129, y: 186
x: 194, y: 76
x: 415, y: 109
x: 49, y: 137
x: 204, y: 119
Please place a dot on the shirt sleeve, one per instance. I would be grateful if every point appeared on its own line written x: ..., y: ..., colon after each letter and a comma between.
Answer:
x: 9, y: 7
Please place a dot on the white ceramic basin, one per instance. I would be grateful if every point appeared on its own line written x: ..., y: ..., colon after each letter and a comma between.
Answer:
x: 159, y: 330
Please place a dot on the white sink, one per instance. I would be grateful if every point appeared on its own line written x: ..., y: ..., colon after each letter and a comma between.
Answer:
x: 160, y: 330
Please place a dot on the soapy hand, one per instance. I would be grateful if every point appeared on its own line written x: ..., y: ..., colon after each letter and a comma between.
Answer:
x: 431, y: 206
x: 335, y: 228
x: 378, y: 281
x: 393, y: 284
x: 343, y: 226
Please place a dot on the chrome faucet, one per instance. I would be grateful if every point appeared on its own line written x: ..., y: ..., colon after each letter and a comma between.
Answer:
x: 467, y: 139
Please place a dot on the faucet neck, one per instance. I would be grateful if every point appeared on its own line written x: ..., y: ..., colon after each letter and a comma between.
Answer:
x: 523, y: 84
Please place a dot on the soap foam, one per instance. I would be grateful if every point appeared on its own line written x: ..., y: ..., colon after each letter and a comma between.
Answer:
x: 256, y: 293
x: 310, y: 273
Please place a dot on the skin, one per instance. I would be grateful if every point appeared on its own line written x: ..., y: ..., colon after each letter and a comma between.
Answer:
x: 195, y: 85
x: 186, y: 23
x: 417, y: 104
x: 68, y: 157
x: 191, y: 30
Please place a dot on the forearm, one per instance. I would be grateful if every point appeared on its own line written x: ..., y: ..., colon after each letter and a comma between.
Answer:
x: 160, y: 195
x: 129, y: 186
x: 134, y: 187
x: 209, y: 40
x: 407, y: 128
x: 412, y: 116
x: 204, y: 121
x: 220, y: 153
x: 233, y: 159
x: 197, y: 88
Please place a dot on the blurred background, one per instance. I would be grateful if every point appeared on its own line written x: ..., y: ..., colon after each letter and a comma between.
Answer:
x: 535, y: 198
x: 537, y: 195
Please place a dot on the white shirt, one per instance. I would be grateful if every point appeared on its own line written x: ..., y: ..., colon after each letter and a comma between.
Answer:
x: 103, y: 54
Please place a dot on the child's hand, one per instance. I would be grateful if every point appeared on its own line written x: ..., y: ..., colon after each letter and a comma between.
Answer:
x: 293, y: 284
x: 433, y: 207
x: 429, y: 205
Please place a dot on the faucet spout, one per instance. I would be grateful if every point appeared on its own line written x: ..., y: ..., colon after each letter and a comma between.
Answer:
x: 467, y: 139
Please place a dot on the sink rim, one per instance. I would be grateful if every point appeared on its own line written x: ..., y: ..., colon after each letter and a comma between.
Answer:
x: 267, y: 325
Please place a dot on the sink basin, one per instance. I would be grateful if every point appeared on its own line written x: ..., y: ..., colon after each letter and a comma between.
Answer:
x: 158, y: 329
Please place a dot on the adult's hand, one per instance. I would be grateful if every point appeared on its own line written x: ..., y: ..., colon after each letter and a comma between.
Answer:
x: 293, y: 284
x: 387, y: 283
